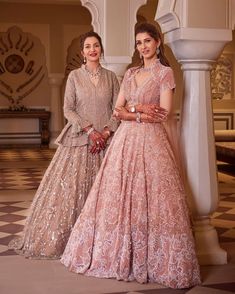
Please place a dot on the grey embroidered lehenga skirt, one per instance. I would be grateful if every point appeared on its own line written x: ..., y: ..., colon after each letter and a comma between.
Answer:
x: 58, y: 202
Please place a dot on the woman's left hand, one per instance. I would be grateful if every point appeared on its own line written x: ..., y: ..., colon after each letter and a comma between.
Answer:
x: 121, y: 113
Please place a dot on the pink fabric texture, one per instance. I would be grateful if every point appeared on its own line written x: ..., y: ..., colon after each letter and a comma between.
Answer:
x: 135, y: 223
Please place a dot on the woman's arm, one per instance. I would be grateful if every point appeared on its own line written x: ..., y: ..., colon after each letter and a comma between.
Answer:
x: 112, y: 124
x: 70, y: 112
x: 161, y: 113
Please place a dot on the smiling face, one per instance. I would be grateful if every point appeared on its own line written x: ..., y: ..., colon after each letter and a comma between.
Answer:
x: 92, y: 49
x: 146, y: 45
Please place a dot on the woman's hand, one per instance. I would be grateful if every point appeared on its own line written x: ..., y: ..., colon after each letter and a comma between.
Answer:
x: 121, y: 113
x: 106, y: 134
x: 150, y: 119
x: 153, y: 110
x: 98, y: 142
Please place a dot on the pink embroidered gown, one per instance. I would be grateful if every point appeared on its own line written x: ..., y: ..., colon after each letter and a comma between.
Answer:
x: 135, y: 223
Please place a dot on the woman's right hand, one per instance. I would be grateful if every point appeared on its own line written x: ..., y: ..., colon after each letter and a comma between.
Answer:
x: 97, y: 142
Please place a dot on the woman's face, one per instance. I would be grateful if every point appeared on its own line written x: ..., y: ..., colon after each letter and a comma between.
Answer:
x: 91, y: 49
x: 146, y: 45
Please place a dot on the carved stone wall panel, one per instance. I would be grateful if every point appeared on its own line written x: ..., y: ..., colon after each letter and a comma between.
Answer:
x: 222, y: 78
x: 22, y: 66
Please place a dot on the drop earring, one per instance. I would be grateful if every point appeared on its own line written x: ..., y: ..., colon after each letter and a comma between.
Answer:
x: 158, y: 50
x: 84, y: 60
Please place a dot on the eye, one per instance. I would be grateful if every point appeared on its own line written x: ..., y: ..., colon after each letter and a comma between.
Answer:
x: 138, y: 43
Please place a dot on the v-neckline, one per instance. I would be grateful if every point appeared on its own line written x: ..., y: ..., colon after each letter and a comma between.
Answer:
x: 143, y: 83
x: 90, y: 81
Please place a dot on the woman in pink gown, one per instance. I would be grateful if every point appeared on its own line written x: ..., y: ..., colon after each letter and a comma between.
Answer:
x: 135, y: 224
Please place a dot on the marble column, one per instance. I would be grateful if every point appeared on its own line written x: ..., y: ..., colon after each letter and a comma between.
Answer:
x: 56, y: 123
x: 197, y: 135
x: 196, y: 49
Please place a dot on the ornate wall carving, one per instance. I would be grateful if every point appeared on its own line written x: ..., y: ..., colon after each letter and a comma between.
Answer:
x: 22, y: 66
x: 221, y: 78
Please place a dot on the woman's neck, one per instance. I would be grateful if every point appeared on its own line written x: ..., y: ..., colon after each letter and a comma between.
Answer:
x: 149, y: 62
x: 92, y: 66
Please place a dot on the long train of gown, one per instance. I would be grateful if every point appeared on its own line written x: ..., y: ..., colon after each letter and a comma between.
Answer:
x: 58, y: 202
x: 135, y: 223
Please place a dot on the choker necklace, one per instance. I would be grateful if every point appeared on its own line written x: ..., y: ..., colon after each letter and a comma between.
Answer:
x: 94, y: 75
x: 146, y: 69
x: 149, y: 68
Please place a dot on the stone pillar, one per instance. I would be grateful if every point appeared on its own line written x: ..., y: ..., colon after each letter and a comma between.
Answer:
x: 56, y: 123
x: 196, y: 49
x: 115, y: 21
x: 197, y: 135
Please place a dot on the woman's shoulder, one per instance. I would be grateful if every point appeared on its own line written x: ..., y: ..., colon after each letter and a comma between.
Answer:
x: 108, y: 71
x: 165, y: 68
x: 131, y: 71
x: 74, y: 73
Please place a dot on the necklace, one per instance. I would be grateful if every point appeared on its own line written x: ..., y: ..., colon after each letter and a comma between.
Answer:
x: 94, y: 75
x: 146, y: 69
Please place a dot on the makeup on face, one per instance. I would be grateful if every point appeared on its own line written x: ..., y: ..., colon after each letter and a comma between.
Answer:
x: 146, y: 45
x: 91, y: 49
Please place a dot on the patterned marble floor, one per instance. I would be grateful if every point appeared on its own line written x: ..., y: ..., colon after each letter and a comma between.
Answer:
x: 21, y: 171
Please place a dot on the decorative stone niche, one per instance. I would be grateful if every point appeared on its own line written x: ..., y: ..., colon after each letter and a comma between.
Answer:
x: 22, y: 67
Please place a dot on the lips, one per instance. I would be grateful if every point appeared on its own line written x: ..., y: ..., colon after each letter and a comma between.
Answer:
x: 93, y: 54
x: 145, y: 52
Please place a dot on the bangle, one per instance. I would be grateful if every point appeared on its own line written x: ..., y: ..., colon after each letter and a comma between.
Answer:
x: 90, y: 131
x: 138, y: 117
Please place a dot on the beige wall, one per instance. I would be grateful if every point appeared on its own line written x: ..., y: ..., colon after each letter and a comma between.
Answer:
x: 199, y: 15
x: 55, y: 17
x: 116, y: 32
x: 55, y: 26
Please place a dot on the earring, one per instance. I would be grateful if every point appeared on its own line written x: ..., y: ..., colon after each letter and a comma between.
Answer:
x: 84, y: 60
x: 158, y: 50
x: 141, y: 57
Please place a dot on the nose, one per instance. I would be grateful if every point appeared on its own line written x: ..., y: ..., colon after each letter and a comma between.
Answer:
x: 143, y: 45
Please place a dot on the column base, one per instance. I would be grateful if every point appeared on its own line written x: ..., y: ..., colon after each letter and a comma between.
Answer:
x: 208, y: 249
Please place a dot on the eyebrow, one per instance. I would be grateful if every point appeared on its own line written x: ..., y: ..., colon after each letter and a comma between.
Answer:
x: 96, y: 43
x: 144, y: 39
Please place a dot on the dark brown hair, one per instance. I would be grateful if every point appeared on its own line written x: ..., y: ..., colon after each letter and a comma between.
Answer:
x: 90, y: 34
x: 155, y: 34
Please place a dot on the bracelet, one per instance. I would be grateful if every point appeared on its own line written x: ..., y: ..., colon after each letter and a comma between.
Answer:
x: 90, y: 131
x: 138, y: 117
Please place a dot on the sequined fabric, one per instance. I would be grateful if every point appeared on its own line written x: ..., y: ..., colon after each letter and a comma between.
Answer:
x: 135, y: 223
x: 71, y: 173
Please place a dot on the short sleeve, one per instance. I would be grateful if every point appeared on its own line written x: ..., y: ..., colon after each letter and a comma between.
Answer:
x: 125, y: 79
x: 168, y: 80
